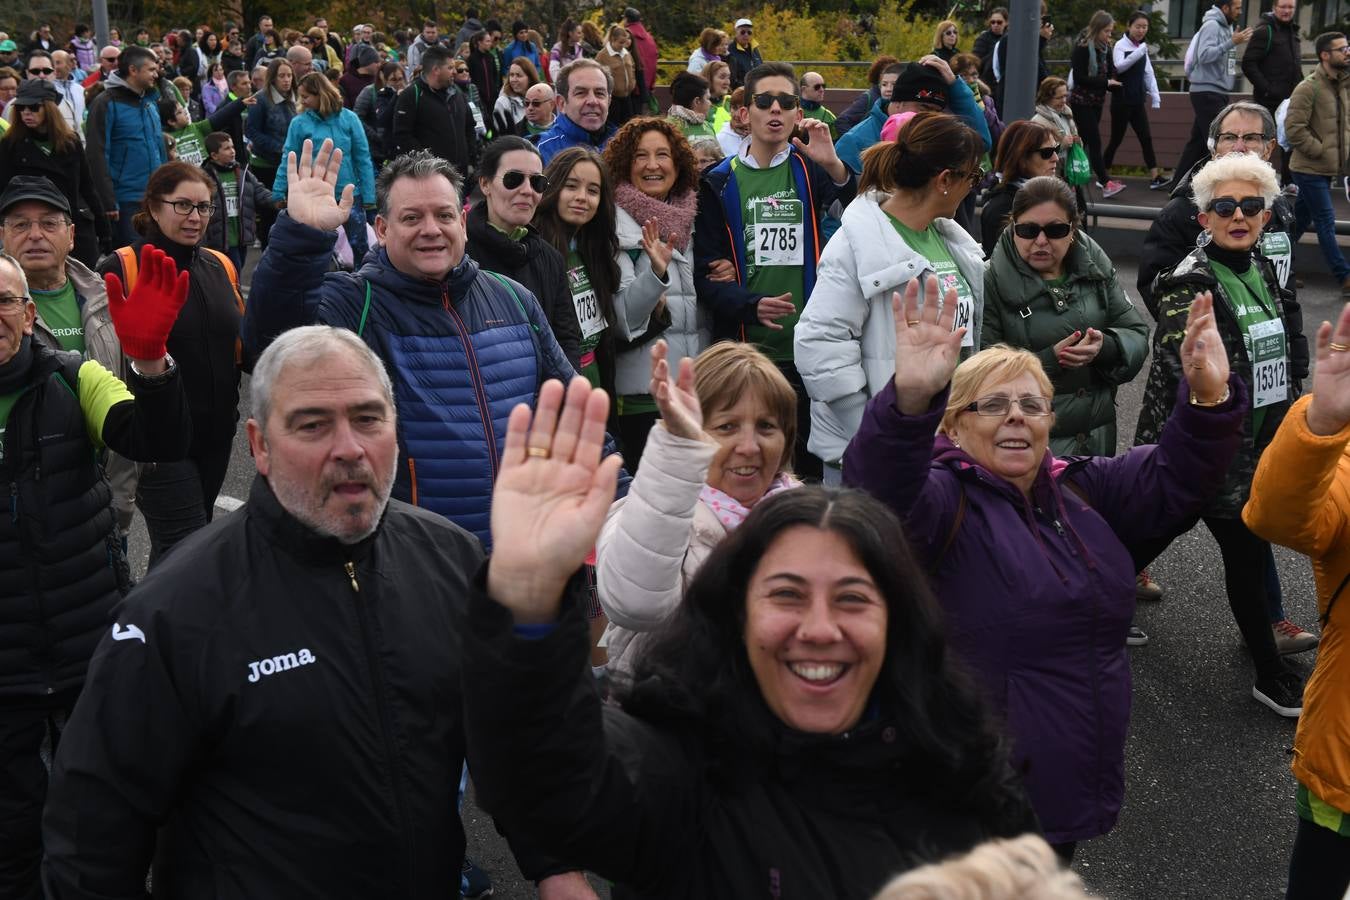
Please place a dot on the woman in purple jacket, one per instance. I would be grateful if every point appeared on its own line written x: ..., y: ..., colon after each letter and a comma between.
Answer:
x: 1029, y: 554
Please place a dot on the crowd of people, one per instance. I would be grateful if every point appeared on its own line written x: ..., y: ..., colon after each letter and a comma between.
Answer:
x: 735, y: 488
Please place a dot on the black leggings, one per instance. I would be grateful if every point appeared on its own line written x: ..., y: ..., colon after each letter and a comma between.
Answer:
x: 1134, y: 115
x: 1319, y: 867
x: 1089, y: 120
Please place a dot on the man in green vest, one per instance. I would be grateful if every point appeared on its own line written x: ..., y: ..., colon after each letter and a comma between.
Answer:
x: 813, y: 102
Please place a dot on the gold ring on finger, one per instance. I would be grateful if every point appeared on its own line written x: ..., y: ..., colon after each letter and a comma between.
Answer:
x: 1338, y: 348
x: 911, y: 322
x: 540, y: 452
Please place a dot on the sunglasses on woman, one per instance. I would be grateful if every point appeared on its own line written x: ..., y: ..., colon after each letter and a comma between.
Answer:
x: 27, y: 107
x: 1045, y: 153
x: 1224, y: 207
x: 1029, y: 231
x: 766, y: 101
x: 513, y: 179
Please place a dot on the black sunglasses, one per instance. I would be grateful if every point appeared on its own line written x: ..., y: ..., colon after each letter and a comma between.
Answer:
x: 766, y: 101
x: 27, y: 107
x: 513, y: 179
x: 1224, y: 207
x: 41, y: 71
x: 1046, y: 153
x: 1029, y: 231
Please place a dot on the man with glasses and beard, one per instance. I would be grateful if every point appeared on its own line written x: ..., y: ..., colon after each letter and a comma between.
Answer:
x: 769, y: 199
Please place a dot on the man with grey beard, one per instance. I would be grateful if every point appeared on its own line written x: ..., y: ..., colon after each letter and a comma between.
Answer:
x: 277, y: 706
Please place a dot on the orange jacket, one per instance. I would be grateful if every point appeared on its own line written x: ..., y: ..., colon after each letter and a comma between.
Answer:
x: 1301, y: 498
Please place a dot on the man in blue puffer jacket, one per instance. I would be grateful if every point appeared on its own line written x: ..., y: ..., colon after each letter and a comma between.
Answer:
x: 462, y: 345
x: 125, y: 143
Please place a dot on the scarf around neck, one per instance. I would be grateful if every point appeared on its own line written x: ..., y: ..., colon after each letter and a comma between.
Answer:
x: 685, y: 114
x: 674, y: 215
x: 732, y: 512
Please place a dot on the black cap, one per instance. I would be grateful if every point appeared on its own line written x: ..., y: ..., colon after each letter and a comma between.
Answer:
x: 364, y: 56
x: 518, y: 26
x: 32, y: 187
x: 922, y: 84
x: 632, y: 15
x: 35, y: 90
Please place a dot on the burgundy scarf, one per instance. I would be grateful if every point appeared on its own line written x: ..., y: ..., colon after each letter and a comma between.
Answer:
x: 672, y: 216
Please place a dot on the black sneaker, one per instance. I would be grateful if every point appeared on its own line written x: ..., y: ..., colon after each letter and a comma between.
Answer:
x: 1135, y: 637
x: 1282, y: 692
x: 474, y: 882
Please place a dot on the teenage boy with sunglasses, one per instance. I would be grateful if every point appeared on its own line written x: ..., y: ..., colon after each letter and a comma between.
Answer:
x: 762, y: 209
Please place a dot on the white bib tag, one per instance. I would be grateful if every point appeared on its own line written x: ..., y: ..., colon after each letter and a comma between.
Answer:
x: 588, y: 314
x: 1275, y: 246
x: 1270, y: 364
x: 778, y: 233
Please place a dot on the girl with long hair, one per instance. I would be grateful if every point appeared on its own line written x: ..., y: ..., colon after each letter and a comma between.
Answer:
x: 266, y: 127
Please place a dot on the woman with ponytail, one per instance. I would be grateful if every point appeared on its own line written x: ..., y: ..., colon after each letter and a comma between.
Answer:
x: 899, y: 227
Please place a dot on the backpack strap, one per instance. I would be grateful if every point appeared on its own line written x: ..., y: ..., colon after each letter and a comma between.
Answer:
x: 960, y: 517
x: 516, y: 297
x: 130, y: 267
x: 365, y: 311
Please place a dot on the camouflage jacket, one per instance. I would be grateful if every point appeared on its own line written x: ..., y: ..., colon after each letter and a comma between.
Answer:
x: 1175, y: 289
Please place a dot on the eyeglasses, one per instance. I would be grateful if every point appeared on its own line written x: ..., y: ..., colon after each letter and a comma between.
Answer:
x: 766, y: 101
x: 47, y: 71
x: 1224, y: 207
x: 974, y: 176
x: 9, y: 301
x: 185, y: 208
x: 1045, y: 153
x: 27, y: 107
x: 1055, y: 231
x: 999, y: 406
x: 1251, y: 139
x: 513, y: 179
x: 48, y: 224
x: 816, y: 87
x: 534, y: 103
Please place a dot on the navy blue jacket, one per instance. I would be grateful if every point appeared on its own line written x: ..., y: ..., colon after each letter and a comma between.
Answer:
x: 462, y: 353
x: 565, y: 133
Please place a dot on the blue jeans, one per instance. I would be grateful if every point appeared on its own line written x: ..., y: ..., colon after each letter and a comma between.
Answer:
x: 1314, y: 206
x: 124, y: 234
x: 355, y: 227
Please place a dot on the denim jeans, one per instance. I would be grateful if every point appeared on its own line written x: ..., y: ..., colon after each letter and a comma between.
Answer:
x: 177, y: 498
x: 355, y: 227
x: 1314, y: 206
x: 124, y: 234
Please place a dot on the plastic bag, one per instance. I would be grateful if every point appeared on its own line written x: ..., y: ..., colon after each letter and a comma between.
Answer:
x: 1077, y: 169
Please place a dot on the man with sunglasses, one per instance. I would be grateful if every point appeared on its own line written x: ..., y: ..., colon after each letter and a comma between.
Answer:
x: 433, y: 114
x: 540, y: 102
x: 65, y: 569
x: 813, y: 101
x: 1242, y: 127
x: 762, y: 208
x: 1318, y: 128
x: 44, y: 67
x: 744, y: 54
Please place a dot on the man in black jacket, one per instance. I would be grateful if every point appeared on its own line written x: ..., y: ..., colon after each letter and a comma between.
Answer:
x: 432, y: 114
x: 61, y: 563
x: 744, y: 54
x: 1272, y: 63
x: 280, y: 701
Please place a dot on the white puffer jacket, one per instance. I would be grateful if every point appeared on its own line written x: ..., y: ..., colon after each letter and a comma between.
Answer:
x: 639, y: 292
x: 844, y: 344
x: 655, y: 540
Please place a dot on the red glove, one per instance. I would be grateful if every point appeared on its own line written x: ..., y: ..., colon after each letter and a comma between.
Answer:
x: 144, y: 319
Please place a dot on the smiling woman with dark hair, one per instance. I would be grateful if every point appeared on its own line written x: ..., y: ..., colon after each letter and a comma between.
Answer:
x: 798, y: 726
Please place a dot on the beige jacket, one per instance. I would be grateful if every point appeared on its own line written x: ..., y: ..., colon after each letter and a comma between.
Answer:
x: 1317, y: 124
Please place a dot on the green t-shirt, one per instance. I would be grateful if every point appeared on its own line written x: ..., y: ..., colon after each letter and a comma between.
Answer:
x: 1262, y: 336
x: 589, y: 316
x: 7, y: 402
x: 229, y: 187
x: 930, y: 244
x: 775, y: 247
x: 190, y: 142
x: 60, y: 311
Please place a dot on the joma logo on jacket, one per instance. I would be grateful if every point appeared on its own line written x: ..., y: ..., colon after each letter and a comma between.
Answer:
x: 261, y: 668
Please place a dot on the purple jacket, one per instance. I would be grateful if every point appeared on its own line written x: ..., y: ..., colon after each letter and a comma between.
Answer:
x: 1039, y: 595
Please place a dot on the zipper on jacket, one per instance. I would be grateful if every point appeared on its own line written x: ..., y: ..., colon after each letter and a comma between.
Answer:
x: 477, y: 378
x: 395, y: 770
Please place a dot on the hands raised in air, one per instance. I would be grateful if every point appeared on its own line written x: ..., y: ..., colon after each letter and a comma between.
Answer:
x: 1204, y: 358
x: 311, y: 187
x: 551, y: 497
x: 681, y: 413
x: 1329, y: 411
x: 144, y: 319
x: 927, y: 350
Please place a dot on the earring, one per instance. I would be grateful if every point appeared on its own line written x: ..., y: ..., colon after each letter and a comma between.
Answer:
x: 944, y: 193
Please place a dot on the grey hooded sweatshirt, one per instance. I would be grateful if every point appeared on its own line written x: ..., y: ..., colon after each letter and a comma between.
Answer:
x: 1212, y: 57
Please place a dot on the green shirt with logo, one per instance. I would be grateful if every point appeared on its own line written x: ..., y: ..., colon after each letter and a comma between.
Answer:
x: 190, y: 142
x: 60, y: 312
x: 1257, y: 315
x: 589, y: 315
x: 930, y: 244
x: 775, y: 248
x: 229, y: 188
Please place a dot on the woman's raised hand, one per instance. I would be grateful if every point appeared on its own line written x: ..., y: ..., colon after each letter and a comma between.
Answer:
x: 680, y: 410
x: 657, y: 248
x: 1204, y: 359
x: 927, y: 350
x: 310, y: 186
x: 550, y: 499
x: 1329, y: 411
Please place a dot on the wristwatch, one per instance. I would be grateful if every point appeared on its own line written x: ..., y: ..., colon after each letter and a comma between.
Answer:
x: 156, y: 379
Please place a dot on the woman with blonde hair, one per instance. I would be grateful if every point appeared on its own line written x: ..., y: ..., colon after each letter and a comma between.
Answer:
x: 961, y: 453
x: 1021, y: 868
x: 325, y: 118
x: 618, y: 59
x: 718, y: 75
x: 944, y: 40
x: 508, y: 113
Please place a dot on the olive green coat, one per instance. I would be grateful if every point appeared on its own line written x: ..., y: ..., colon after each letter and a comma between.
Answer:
x: 1023, y: 310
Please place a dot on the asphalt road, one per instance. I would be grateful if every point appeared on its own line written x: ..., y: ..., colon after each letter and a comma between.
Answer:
x: 1209, y: 803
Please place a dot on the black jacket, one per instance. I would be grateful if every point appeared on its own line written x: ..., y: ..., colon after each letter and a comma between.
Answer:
x: 485, y: 73
x: 1090, y: 89
x: 252, y: 194
x: 665, y: 808
x: 438, y: 121
x: 286, y: 716
x: 1172, y: 236
x: 61, y: 563
x: 203, y: 343
x: 742, y: 60
x: 1271, y: 61
x: 70, y: 173
x: 534, y: 263
x: 998, y: 202
x: 859, y: 109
